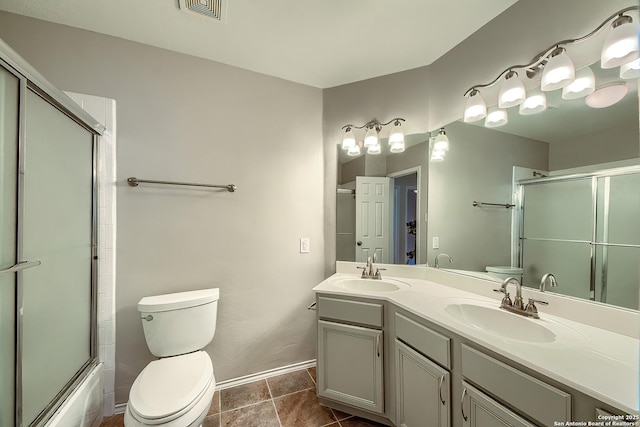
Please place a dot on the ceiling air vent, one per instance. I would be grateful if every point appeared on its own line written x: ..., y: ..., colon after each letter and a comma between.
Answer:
x: 210, y: 8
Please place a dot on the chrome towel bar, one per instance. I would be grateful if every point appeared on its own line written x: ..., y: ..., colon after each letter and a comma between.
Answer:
x: 502, y: 205
x: 133, y: 182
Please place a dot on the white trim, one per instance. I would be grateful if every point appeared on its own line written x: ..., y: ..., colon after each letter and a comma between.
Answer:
x: 121, y: 407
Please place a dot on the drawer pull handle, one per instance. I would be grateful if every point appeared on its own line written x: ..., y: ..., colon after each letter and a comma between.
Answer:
x: 378, y: 344
x: 440, y: 389
x: 464, y: 416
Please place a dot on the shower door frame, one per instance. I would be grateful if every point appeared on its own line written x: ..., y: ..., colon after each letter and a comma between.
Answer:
x: 31, y: 80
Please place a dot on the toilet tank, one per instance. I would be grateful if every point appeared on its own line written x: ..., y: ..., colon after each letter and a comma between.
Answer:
x: 179, y: 323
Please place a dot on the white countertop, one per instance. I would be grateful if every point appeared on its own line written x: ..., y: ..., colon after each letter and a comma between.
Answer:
x: 598, y: 362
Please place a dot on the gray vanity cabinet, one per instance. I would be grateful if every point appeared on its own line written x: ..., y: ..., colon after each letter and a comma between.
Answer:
x: 350, y: 366
x: 478, y: 410
x: 422, y: 390
x: 423, y: 380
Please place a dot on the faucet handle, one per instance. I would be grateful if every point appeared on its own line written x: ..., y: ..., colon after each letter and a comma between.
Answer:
x: 364, y: 272
x: 378, y: 275
x: 506, y: 301
x: 531, y: 308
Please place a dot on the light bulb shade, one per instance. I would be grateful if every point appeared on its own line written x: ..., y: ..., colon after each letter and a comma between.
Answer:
x: 621, y: 44
x: 353, y: 151
x: 558, y: 72
x: 583, y: 85
x: 374, y: 149
x: 606, y: 96
x: 476, y: 108
x: 535, y: 103
x: 397, y: 147
x: 511, y: 92
x: 348, y: 139
x: 441, y: 142
x: 437, y: 156
x: 371, y: 137
x: 396, y: 135
x: 496, y: 117
x: 630, y: 70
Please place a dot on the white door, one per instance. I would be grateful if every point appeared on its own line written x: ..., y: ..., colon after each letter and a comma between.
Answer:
x: 373, y: 219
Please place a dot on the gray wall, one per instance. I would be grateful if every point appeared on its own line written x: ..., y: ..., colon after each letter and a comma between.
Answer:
x: 187, y: 119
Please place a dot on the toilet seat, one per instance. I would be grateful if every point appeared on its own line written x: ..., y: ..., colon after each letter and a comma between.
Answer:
x: 168, y: 388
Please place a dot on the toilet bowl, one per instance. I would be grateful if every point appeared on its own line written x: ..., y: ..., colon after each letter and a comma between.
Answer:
x: 175, y: 390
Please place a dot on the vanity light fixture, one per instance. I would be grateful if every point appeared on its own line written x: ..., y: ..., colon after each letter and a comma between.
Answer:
x: 536, y: 102
x: 476, y: 108
x: 621, y: 44
x: 607, y: 96
x: 558, y: 70
x: 496, y: 117
x: 630, y: 70
x: 583, y: 85
x: 441, y: 142
x: 371, y: 139
x: 512, y: 91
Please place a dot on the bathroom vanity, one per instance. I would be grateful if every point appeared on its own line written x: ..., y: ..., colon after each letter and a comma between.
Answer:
x: 411, y: 352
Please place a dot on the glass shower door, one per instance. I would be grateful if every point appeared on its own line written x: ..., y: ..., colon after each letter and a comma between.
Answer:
x: 9, y: 92
x: 57, y: 229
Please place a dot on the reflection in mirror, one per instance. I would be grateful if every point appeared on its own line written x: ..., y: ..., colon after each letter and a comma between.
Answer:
x: 380, y: 200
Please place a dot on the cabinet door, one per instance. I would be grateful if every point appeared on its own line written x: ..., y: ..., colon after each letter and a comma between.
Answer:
x: 478, y: 410
x: 422, y: 390
x: 350, y: 365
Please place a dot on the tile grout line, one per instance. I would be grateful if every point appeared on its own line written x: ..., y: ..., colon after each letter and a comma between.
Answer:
x: 273, y: 403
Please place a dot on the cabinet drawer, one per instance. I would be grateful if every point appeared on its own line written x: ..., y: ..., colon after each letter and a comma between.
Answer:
x: 362, y: 313
x: 428, y: 342
x: 522, y: 392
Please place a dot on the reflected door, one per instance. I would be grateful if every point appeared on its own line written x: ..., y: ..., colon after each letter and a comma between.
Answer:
x: 9, y: 92
x: 373, y: 219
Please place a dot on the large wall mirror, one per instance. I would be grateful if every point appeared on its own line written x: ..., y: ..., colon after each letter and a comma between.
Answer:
x: 555, y: 192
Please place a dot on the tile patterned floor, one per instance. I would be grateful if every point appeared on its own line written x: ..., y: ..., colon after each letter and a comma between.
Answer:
x: 287, y: 400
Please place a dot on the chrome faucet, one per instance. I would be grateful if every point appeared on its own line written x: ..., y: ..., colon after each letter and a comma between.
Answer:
x: 438, y: 257
x: 552, y: 281
x: 368, y: 272
x: 518, y: 306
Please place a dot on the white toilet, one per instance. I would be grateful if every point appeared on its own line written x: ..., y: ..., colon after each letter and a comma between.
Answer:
x: 175, y: 390
x: 503, y: 272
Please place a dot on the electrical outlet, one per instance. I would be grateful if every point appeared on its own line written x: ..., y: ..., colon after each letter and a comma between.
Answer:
x: 436, y: 243
x: 304, y: 245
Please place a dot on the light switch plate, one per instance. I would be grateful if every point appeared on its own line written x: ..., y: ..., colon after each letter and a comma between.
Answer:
x: 304, y: 245
x: 436, y: 243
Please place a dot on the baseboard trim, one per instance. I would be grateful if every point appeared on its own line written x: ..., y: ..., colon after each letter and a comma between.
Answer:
x: 265, y: 374
x: 120, y: 408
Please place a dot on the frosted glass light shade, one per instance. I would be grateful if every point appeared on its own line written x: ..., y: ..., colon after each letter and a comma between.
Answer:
x: 512, y: 91
x: 353, y: 151
x: 630, y: 70
x: 583, y: 85
x: 371, y: 137
x: 374, y: 149
x: 558, y: 72
x: 621, y: 44
x: 606, y: 96
x: 441, y: 142
x: 476, y: 108
x: 348, y: 140
x: 535, y: 103
x: 397, y: 147
x: 437, y: 156
x: 396, y: 135
x: 496, y: 117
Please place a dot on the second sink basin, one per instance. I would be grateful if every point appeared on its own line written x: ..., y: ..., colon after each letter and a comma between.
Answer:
x: 371, y: 285
x: 500, y: 323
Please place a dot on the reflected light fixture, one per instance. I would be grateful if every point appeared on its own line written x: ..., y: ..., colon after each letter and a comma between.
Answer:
x: 607, y: 96
x: 437, y: 156
x: 536, y: 102
x: 630, y: 70
x: 512, y: 91
x: 441, y: 142
x: 621, y: 44
x: 371, y: 139
x: 476, y: 108
x: 558, y: 72
x: 496, y: 117
x: 583, y: 85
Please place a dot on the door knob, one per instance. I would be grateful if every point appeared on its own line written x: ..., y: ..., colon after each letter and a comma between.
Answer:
x: 359, y: 243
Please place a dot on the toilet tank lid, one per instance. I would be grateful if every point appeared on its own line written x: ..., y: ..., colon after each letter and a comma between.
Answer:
x: 167, y: 302
x: 505, y: 269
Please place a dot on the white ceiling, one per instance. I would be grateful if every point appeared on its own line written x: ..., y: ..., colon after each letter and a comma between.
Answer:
x: 321, y: 43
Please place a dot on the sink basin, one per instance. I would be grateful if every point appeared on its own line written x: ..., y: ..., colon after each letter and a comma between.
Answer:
x: 371, y: 285
x: 501, y: 323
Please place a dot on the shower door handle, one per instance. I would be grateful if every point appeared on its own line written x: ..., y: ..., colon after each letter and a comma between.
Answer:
x: 23, y: 265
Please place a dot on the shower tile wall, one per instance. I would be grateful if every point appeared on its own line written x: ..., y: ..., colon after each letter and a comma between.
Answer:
x: 104, y: 110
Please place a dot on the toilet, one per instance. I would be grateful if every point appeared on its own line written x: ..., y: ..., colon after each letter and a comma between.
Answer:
x: 504, y: 272
x: 176, y: 389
